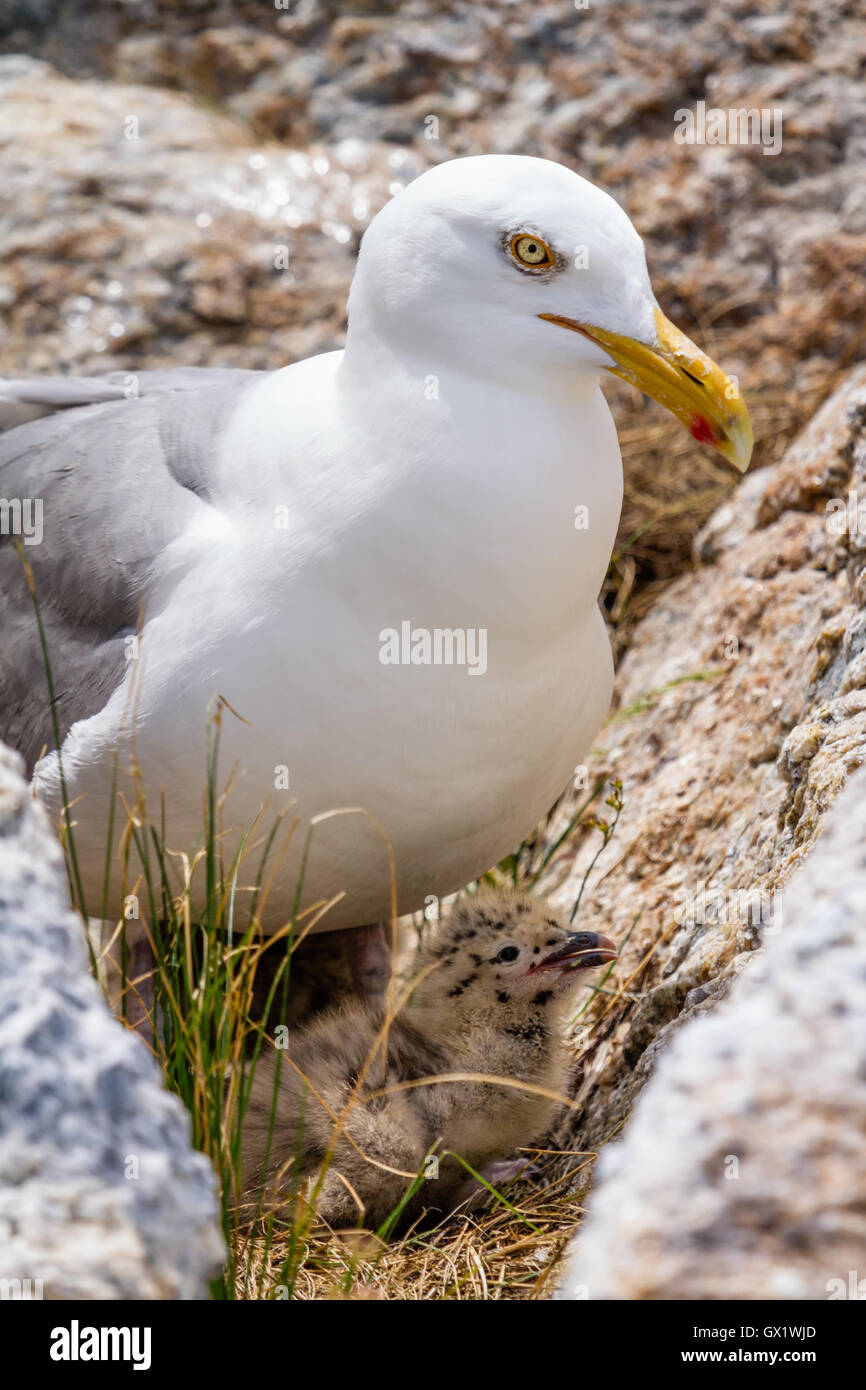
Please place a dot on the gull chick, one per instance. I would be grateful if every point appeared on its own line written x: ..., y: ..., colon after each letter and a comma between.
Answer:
x: 489, y: 996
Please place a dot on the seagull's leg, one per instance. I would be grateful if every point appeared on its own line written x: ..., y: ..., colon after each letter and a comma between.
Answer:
x: 503, y: 1170
x: 326, y: 968
x: 473, y: 1194
x: 369, y: 960
x: 128, y: 982
x: 141, y: 968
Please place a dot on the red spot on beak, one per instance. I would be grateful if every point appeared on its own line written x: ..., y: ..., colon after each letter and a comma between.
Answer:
x: 702, y: 430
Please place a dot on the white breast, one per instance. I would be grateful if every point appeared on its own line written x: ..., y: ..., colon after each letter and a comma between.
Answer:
x: 441, y: 512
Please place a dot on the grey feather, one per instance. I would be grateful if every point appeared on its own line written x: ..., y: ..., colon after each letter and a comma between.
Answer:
x: 28, y: 398
x: 118, y: 478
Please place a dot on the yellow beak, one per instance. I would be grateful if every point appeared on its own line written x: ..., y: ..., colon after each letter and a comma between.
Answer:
x: 680, y: 377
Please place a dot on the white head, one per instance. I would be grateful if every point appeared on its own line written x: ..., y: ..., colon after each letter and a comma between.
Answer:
x: 484, y: 262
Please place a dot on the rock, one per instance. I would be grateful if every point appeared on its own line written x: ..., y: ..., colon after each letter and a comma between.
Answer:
x: 101, y: 1193
x: 142, y: 230
x: 740, y: 1175
x: 740, y: 711
x: 758, y: 255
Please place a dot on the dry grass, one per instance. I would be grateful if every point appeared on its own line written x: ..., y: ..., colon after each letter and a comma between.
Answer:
x: 503, y: 1252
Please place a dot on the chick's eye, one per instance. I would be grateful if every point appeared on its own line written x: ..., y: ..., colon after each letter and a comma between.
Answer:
x: 507, y: 953
x: 531, y: 251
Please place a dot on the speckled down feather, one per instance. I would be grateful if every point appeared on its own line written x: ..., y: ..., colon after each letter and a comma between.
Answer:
x: 492, y: 992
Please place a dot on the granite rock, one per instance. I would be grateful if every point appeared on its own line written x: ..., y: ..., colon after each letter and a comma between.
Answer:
x: 741, y: 1173
x: 739, y: 713
x: 101, y: 1193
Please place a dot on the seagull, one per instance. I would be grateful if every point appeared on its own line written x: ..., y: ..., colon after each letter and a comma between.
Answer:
x: 382, y: 563
x: 489, y: 994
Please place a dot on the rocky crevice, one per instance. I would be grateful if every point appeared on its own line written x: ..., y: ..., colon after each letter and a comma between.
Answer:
x: 740, y: 713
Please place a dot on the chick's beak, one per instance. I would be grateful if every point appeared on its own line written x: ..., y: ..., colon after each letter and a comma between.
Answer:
x: 582, y: 951
x: 682, y: 378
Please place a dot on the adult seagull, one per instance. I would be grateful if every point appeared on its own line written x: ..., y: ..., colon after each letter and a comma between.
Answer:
x: 385, y: 560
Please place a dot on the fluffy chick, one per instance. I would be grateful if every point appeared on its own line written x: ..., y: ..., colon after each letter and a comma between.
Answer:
x: 492, y: 989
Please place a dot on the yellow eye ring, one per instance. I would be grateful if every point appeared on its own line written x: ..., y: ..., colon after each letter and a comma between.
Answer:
x: 530, y: 251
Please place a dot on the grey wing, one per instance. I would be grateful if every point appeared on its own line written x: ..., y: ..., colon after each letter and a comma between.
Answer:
x: 28, y: 398
x: 93, y: 493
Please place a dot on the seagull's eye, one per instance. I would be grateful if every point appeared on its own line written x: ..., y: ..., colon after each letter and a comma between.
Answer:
x: 531, y: 251
x: 508, y: 953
